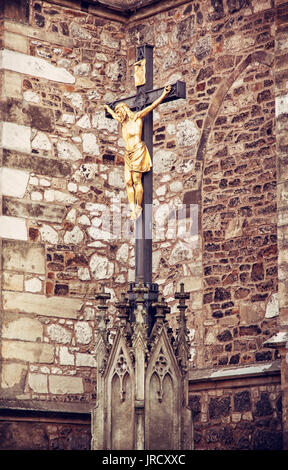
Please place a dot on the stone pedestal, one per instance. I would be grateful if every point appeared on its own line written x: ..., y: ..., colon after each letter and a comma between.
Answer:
x: 142, y: 383
x: 280, y: 342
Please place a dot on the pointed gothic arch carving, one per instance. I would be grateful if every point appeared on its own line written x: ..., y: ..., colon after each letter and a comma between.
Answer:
x: 119, y: 379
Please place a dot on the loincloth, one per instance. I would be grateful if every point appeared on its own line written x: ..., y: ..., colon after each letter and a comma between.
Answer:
x: 138, y: 159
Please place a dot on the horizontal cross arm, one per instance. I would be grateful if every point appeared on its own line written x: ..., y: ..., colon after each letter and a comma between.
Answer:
x: 143, y: 99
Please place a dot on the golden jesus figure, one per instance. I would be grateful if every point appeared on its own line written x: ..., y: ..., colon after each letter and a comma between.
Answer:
x: 137, y: 157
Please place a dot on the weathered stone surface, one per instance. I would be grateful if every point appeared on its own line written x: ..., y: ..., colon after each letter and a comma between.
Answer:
x: 181, y: 252
x: 35, y: 66
x: 85, y: 360
x: 49, y: 235
x: 122, y: 253
x: 13, y: 281
x: 38, y: 382
x: 90, y: 144
x: 187, y: 133
x: 101, y: 267
x: 13, y: 182
x: 65, y: 357
x: 60, y: 385
x: 41, y: 305
x: 68, y: 151
x: 219, y: 407
x: 41, y: 142
x: 24, y: 257
x: 13, y: 375
x: 83, y: 332
x: 34, y: 210
x: 16, y: 137
x: 74, y: 236
x: 42, y: 166
x: 163, y: 161
x: 28, y: 351
x: 272, y: 309
x: 13, y: 228
x: 59, y: 334
x: 242, y: 401
x: 26, y: 329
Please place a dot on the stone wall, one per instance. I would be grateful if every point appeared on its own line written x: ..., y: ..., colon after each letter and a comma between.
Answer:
x: 220, y: 145
x: 281, y: 144
x: 54, y: 182
x: 35, y: 431
x: 237, y: 409
x: 64, y: 228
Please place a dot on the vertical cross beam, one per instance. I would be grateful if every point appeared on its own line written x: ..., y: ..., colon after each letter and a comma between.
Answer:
x: 143, y: 253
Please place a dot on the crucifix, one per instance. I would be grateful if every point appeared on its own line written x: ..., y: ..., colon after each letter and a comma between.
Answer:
x: 136, y: 117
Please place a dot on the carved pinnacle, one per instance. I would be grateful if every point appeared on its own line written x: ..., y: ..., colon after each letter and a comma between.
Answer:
x: 161, y: 307
x: 123, y: 306
x: 140, y: 290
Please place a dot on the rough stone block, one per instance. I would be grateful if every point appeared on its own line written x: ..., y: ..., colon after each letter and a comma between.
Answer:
x: 12, y: 374
x: 13, y: 182
x: 60, y: 385
x: 26, y: 329
x: 13, y: 281
x: 40, y: 166
x: 23, y: 257
x: 38, y: 382
x: 15, y: 42
x: 12, y: 84
x: 35, y: 210
x: 41, y: 305
x: 13, y: 228
x: 35, y: 66
x: 28, y: 351
x: 16, y: 137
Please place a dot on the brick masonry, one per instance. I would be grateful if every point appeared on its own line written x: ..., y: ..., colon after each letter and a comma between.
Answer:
x: 215, y: 151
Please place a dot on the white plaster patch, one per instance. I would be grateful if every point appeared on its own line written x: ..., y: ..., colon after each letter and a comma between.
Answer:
x: 16, y: 137
x: 35, y: 66
x: 13, y: 182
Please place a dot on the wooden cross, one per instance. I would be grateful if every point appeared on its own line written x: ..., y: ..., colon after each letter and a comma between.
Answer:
x: 144, y: 97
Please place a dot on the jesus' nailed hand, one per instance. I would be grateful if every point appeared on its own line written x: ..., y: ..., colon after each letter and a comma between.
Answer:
x: 137, y: 157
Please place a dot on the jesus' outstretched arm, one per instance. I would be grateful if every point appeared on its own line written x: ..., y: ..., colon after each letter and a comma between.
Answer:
x: 144, y: 112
